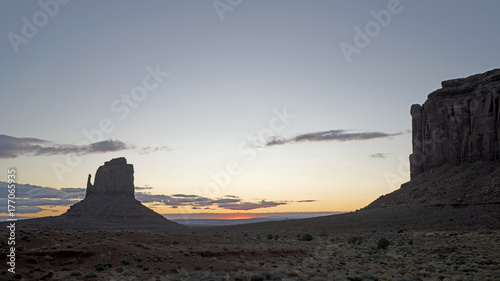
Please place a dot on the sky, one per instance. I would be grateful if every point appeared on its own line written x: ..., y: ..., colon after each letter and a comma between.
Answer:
x: 226, y: 106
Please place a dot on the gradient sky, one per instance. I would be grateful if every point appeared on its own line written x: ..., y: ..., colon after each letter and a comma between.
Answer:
x: 225, y: 73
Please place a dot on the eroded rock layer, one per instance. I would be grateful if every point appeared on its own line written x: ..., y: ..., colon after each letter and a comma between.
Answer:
x: 114, y: 177
x: 458, y: 123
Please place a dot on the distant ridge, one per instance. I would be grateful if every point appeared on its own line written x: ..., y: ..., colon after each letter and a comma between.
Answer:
x: 226, y: 222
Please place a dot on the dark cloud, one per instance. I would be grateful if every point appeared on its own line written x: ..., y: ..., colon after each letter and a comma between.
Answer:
x: 226, y: 201
x: 24, y: 202
x: 184, y: 195
x: 27, y: 210
x: 150, y: 198
x: 245, y: 206
x: 143, y: 187
x: 306, y: 201
x: 34, y: 192
x: 378, y: 155
x: 12, y: 147
x: 332, y: 135
x: 33, y: 199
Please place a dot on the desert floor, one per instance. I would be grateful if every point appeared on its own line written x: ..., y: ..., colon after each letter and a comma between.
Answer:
x: 46, y: 253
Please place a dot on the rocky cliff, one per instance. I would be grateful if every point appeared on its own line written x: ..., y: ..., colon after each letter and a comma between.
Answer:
x: 114, y: 177
x: 458, y: 123
x: 110, y: 203
x: 456, y: 146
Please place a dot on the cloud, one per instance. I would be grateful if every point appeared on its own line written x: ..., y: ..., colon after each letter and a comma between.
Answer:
x: 35, y: 192
x: 148, y: 149
x: 33, y: 199
x: 332, y: 135
x: 143, y: 187
x: 245, y: 206
x: 12, y: 147
x: 306, y: 201
x: 27, y: 210
x: 184, y: 195
x: 378, y: 155
x: 226, y: 201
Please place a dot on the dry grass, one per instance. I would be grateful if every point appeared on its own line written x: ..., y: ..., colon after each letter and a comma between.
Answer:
x: 64, y: 254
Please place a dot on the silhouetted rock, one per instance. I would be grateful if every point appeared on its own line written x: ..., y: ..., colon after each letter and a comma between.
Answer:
x: 458, y: 123
x: 110, y: 204
x: 456, y: 146
x: 114, y: 177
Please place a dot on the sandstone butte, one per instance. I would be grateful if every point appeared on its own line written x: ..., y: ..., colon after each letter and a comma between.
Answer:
x: 110, y: 204
x: 456, y: 146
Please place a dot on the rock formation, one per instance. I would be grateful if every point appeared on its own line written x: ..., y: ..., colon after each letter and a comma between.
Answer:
x: 458, y: 123
x: 110, y: 203
x: 456, y: 146
x: 115, y: 177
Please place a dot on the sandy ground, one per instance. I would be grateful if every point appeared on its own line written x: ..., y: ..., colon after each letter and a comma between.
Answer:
x: 49, y: 253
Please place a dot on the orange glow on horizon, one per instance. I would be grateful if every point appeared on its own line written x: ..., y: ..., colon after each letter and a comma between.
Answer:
x: 236, y: 217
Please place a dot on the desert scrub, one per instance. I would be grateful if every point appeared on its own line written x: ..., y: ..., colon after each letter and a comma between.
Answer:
x: 306, y: 237
x: 91, y: 275
x: 355, y: 240
x: 324, y: 234
x: 49, y: 259
x: 382, y: 243
x: 32, y: 260
x: 69, y: 262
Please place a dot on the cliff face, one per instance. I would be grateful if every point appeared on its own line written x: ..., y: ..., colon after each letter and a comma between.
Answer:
x: 458, y: 123
x: 110, y: 203
x: 114, y: 177
x: 456, y: 147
